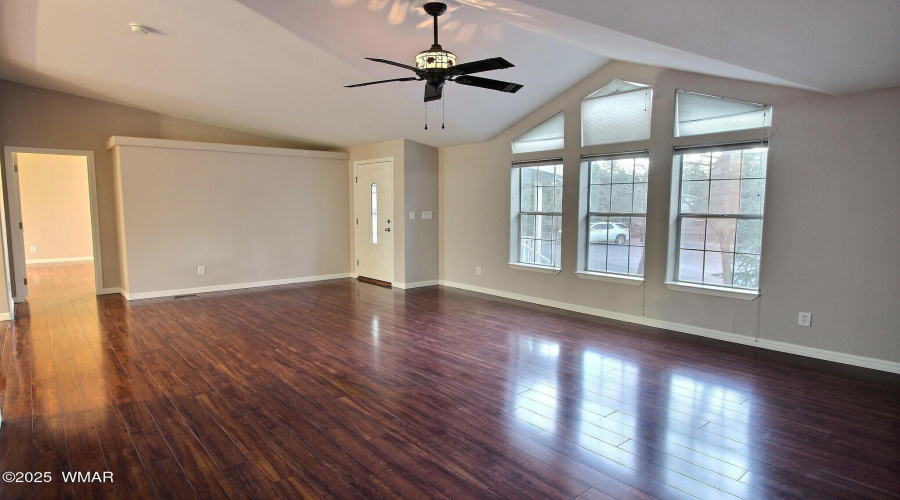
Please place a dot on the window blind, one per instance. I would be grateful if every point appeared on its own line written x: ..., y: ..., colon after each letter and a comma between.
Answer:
x: 617, y: 117
x: 703, y: 114
x: 545, y: 137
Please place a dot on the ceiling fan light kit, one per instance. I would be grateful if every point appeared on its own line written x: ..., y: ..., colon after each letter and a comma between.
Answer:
x: 435, y: 57
x: 437, y: 66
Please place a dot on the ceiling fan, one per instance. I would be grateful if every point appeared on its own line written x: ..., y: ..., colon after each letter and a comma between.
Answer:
x: 437, y: 66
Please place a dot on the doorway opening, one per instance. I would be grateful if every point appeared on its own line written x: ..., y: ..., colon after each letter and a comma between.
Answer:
x: 52, y: 222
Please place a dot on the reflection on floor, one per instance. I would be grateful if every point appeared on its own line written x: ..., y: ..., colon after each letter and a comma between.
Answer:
x: 350, y: 390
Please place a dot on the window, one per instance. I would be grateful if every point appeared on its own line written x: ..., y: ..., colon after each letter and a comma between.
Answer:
x: 618, y: 112
x: 617, y: 214
x: 720, y: 215
x: 374, y: 210
x: 704, y: 114
x: 537, y: 213
x: 546, y: 136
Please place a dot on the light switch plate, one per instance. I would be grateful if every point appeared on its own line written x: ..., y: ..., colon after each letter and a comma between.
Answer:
x: 412, y: 216
x: 426, y: 215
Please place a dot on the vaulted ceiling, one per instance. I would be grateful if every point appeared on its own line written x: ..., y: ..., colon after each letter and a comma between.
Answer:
x: 278, y: 67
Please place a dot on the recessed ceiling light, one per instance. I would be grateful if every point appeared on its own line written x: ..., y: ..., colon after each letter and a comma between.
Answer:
x: 140, y: 28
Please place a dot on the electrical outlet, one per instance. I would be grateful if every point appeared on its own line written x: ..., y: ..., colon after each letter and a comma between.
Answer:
x: 805, y: 319
x: 412, y: 216
x: 33, y: 248
x: 478, y: 270
x: 201, y: 269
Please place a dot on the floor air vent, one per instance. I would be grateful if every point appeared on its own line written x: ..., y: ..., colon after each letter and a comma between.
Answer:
x: 184, y: 296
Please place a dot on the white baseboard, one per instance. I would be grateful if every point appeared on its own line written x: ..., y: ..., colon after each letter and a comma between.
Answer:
x: 233, y: 286
x: 109, y: 291
x: 417, y: 284
x: 4, y: 316
x: 63, y: 259
x: 839, y: 357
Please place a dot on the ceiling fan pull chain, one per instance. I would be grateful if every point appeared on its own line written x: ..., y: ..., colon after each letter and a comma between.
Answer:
x: 443, y: 108
x: 426, y: 116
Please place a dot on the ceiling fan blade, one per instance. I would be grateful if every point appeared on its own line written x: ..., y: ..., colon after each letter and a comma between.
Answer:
x: 408, y: 79
x: 433, y: 93
x: 392, y: 63
x: 479, y: 66
x: 487, y: 83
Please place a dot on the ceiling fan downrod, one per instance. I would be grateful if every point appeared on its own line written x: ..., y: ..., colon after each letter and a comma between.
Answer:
x: 435, y: 10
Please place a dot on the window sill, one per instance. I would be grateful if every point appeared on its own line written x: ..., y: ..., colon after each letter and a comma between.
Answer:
x: 612, y: 278
x: 536, y: 269
x: 732, y: 293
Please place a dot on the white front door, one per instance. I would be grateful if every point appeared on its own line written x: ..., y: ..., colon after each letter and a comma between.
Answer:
x: 374, y: 228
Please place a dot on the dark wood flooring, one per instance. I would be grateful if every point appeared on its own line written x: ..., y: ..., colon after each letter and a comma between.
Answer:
x: 347, y: 390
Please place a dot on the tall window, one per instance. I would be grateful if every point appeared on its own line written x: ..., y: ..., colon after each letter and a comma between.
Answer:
x: 720, y: 215
x: 374, y: 210
x: 537, y: 210
x: 617, y: 214
x: 613, y: 199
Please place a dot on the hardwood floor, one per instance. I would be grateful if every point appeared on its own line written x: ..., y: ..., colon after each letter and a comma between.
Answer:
x: 347, y: 390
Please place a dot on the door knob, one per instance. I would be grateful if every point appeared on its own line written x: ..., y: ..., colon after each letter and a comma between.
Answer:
x: 387, y: 229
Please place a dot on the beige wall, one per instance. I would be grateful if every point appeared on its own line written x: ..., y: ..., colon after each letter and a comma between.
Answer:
x: 421, y: 189
x: 249, y: 215
x: 56, y: 208
x: 39, y: 118
x: 416, y: 167
x: 121, y: 244
x: 830, y: 238
x: 833, y: 163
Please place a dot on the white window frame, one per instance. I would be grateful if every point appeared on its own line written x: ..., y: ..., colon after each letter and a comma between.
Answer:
x: 676, y: 217
x: 516, y: 213
x: 586, y: 214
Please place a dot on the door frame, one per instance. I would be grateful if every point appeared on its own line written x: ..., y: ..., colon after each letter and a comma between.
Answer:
x: 356, y: 239
x: 4, y: 255
x: 14, y: 209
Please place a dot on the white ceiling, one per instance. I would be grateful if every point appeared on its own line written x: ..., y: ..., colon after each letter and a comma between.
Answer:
x: 278, y: 67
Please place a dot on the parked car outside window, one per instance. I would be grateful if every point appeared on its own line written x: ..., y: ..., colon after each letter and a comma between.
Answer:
x: 603, y: 232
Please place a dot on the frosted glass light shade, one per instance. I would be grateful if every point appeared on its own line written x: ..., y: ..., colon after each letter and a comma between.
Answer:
x: 435, y: 59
